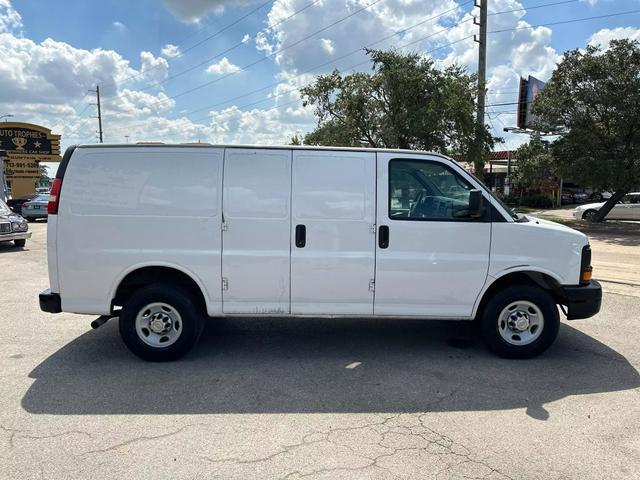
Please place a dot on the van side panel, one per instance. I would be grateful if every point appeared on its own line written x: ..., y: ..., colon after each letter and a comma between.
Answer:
x: 256, y: 248
x: 123, y: 208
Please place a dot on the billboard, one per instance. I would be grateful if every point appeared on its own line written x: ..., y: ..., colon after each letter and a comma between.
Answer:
x: 528, y: 91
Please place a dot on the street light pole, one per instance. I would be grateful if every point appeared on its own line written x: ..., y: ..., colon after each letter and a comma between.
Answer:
x: 6, y: 116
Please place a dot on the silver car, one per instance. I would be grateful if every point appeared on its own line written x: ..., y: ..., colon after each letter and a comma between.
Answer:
x: 35, y: 208
x: 13, y: 228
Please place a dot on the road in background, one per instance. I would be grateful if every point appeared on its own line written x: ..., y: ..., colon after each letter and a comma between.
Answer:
x: 315, y: 399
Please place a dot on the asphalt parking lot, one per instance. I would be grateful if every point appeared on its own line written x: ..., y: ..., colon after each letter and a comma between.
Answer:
x: 318, y: 399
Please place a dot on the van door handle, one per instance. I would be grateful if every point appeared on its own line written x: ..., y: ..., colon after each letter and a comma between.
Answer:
x: 383, y: 236
x: 301, y: 236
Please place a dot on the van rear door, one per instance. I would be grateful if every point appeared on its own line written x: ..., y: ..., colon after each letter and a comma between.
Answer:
x: 332, y: 232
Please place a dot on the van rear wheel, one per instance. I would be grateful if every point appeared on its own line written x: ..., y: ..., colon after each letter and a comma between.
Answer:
x: 521, y: 321
x: 161, y: 322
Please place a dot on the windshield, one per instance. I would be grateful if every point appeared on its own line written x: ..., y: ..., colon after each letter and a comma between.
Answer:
x: 4, y: 210
x: 41, y: 198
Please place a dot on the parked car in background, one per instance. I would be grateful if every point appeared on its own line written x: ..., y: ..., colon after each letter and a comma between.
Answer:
x: 627, y: 209
x: 35, y: 208
x: 15, y: 204
x: 580, y: 197
x: 600, y: 196
x: 13, y: 228
x: 566, y: 198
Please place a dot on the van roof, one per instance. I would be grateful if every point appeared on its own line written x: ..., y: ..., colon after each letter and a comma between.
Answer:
x: 290, y: 147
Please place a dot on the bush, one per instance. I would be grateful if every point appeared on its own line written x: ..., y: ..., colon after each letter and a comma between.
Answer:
x: 528, y: 200
x: 537, y: 201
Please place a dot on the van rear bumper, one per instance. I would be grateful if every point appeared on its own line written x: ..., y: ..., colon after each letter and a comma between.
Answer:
x: 582, y: 301
x: 50, y: 302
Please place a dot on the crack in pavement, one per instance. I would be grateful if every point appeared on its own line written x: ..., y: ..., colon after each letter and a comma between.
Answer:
x: 142, y: 438
x: 15, y: 433
x: 443, y: 448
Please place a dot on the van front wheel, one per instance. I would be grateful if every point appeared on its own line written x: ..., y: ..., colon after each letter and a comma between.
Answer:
x: 520, y: 322
x: 161, y: 322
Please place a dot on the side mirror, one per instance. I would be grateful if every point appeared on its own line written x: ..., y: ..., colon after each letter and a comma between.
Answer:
x: 476, y: 203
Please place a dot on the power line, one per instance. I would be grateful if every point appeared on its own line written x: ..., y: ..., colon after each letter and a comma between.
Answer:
x: 296, y: 89
x: 198, y: 87
x: 200, y: 42
x: 275, y: 25
x: 182, y: 53
x: 395, y: 33
x: 348, y: 54
x: 563, y: 22
x: 400, y: 32
x: 190, y: 69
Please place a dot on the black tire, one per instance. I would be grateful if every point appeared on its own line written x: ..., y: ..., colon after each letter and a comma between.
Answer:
x: 589, y: 215
x: 490, y: 321
x: 20, y: 243
x: 180, y: 299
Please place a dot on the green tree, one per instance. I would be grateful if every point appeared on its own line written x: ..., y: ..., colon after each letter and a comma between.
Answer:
x: 295, y: 140
x: 593, y: 102
x: 536, y: 166
x: 406, y: 102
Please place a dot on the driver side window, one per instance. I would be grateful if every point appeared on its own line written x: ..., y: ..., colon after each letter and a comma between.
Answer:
x: 423, y: 190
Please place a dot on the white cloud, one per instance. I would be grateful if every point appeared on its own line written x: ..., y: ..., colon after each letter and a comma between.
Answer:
x: 246, y: 38
x: 222, y: 67
x: 367, y: 25
x: 154, y: 69
x: 119, y: 26
x: 192, y: 11
x: 327, y: 45
x: 170, y: 50
x: 10, y: 19
x: 603, y: 37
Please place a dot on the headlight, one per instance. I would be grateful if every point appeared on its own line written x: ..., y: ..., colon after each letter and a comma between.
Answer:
x: 19, y: 226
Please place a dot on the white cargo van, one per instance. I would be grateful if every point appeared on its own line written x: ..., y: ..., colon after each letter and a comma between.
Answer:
x: 164, y: 236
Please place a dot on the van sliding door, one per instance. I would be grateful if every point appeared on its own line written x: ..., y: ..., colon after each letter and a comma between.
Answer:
x: 332, y: 232
x: 256, y: 231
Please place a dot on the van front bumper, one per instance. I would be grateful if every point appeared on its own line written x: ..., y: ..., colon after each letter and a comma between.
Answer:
x: 582, y: 301
x: 50, y: 302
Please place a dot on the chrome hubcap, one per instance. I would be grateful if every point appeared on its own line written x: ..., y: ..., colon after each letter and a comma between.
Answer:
x: 520, y: 323
x: 158, y: 324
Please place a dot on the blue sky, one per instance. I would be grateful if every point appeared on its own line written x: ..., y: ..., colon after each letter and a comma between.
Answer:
x: 52, y: 52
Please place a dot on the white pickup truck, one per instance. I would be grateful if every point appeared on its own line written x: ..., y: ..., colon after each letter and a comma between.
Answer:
x: 165, y: 236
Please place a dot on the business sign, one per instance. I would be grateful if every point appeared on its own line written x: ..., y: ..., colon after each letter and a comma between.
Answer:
x: 29, y: 141
x: 26, y: 145
x: 25, y: 169
x: 529, y: 89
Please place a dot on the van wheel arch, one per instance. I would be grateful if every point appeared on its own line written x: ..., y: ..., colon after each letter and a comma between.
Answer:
x: 535, y: 279
x: 148, y: 275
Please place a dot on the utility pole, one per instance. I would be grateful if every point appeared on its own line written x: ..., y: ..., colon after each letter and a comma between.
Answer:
x: 478, y: 161
x: 97, y: 92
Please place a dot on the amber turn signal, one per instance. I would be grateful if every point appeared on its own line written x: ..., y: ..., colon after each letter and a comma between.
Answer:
x: 586, y: 275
